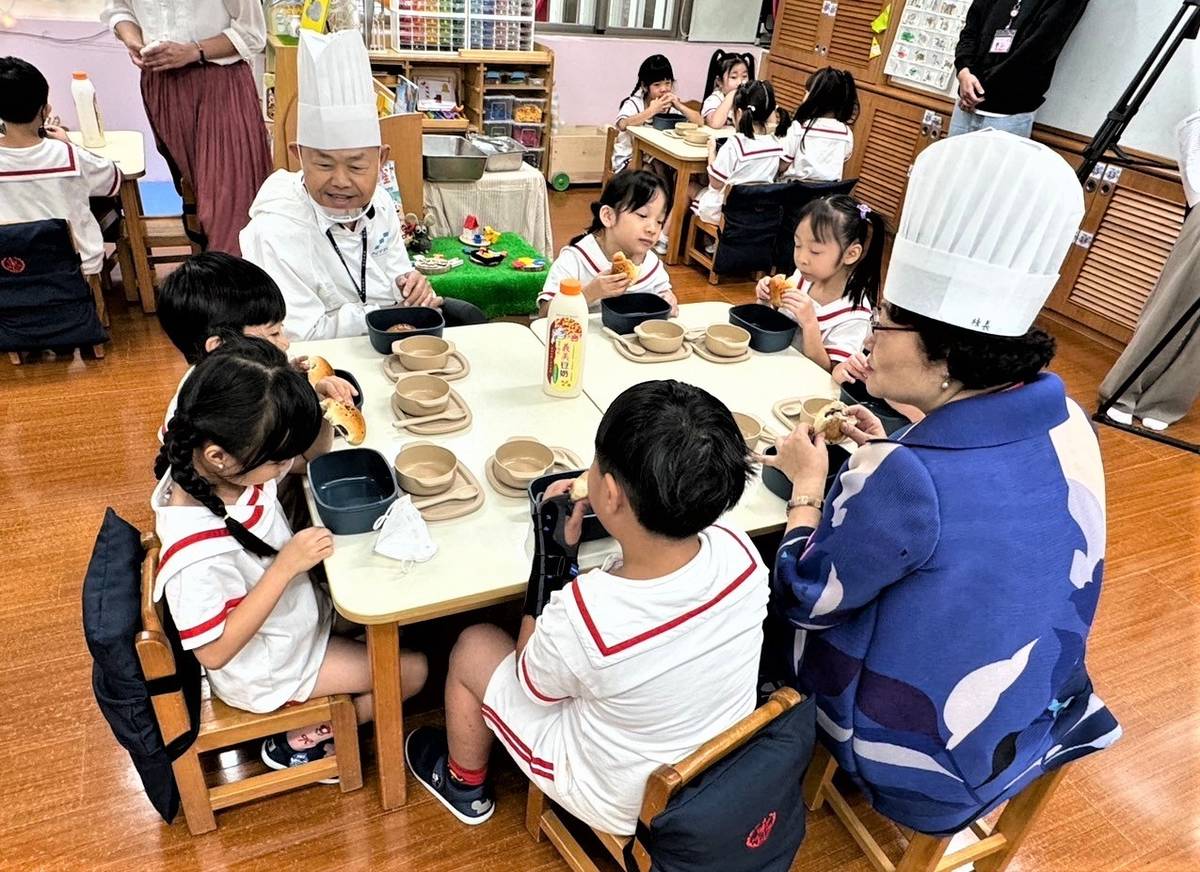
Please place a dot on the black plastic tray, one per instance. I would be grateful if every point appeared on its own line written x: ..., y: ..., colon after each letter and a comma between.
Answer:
x: 622, y: 314
x: 769, y: 330
x: 352, y: 489
x: 429, y: 322
x: 349, y: 376
x: 592, y: 528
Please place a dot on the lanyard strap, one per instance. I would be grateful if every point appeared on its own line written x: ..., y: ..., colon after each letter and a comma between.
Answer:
x: 1013, y: 13
x: 361, y: 286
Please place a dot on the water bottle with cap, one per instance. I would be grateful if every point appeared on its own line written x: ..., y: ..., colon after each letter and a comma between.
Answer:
x: 91, y: 125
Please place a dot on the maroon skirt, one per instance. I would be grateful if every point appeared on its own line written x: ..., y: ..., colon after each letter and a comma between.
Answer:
x: 208, y: 124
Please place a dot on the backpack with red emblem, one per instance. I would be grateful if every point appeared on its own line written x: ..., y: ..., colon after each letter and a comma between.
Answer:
x: 745, y: 813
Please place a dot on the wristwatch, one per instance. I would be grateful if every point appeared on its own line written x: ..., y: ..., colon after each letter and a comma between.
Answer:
x: 200, y: 48
x: 800, y: 502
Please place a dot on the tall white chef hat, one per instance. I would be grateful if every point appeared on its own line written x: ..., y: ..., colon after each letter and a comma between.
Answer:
x: 337, y: 93
x: 988, y: 220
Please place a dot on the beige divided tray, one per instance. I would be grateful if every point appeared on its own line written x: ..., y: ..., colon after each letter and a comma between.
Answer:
x: 702, y: 351
x: 448, y: 511
x: 573, y: 462
x: 650, y: 356
x: 457, y: 366
x: 434, y: 428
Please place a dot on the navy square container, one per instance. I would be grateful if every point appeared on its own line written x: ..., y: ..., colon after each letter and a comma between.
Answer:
x: 352, y: 489
x: 592, y: 528
x: 429, y: 322
x: 769, y: 330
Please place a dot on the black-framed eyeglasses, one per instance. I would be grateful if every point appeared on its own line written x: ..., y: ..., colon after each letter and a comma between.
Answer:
x: 876, y: 327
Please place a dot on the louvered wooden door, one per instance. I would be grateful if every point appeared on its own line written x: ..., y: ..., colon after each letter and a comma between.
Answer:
x: 887, y: 137
x: 789, y: 82
x: 849, y: 43
x: 1133, y: 220
x: 800, y: 31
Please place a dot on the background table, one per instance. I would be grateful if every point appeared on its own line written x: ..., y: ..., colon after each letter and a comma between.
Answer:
x: 686, y: 160
x: 515, y: 202
x: 752, y: 387
x: 497, y: 290
x: 482, y: 557
x: 127, y: 149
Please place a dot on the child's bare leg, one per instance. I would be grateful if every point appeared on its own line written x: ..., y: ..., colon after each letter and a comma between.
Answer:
x: 347, y: 669
x: 477, y: 653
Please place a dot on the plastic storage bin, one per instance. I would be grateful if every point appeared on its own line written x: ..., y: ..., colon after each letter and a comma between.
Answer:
x: 527, y: 111
x: 497, y: 108
x: 528, y: 135
x: 534, y: 157
x: 497, y: 128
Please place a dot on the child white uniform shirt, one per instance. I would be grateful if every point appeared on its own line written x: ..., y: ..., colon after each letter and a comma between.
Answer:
x: 54, y: 180
x: 819, y: 154
x: 740, y: 160
x: 172, y: 406
x: 205, y: 573
x: 584, y: 260
x: 844, y: 326
x: 635, y: 104
x: 711, y: 104
x: 622, y: 676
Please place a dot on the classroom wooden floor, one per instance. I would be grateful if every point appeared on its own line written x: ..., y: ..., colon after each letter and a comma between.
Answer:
x: 79, y: 435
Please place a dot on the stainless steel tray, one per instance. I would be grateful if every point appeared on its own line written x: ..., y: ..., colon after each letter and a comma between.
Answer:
x: 504, y: 153
x: 451, y: 159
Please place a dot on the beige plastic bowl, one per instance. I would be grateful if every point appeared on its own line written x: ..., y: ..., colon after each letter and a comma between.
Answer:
x: 686, y: 127
x: 520, y: 461
x: 422, y: 394
x: 696, y: 137
x: 660, y: 337
x: 425, y: 470
x: 750, y: 426
x: 726, y: 340
x: 423, y: 352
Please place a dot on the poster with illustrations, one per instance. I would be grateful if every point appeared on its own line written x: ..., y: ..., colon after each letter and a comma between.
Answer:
x: 926, y: 36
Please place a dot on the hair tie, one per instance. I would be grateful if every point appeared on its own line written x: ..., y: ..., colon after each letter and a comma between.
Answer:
x: 863, y: 211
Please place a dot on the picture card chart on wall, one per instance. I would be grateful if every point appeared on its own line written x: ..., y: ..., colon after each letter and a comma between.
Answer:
x: 923, y: 52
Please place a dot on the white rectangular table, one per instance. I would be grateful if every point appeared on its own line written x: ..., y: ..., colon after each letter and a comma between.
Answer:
x: 482, y: 557
x: 752, y: 387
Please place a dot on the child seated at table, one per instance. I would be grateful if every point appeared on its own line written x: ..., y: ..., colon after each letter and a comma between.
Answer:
x: 212, y: 294
x: 630, y: 666
x: 753, y: 154
x: 654, y: 94
x: 838, y: 256
x: 42, y: 174
x: 820, y: 141
x: 726, y: 73
x: 626, y: 220
x: 234, y: 574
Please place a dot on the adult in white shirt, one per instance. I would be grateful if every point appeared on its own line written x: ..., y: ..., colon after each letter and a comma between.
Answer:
x: 329, y: 235
x: 202, y: 102
x: 42, y: 174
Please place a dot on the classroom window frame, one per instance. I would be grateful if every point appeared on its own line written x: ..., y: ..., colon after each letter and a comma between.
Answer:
x: 600, y: 26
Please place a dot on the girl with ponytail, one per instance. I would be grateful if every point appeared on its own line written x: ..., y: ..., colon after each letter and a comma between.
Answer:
x: 753, y: 154
x: 839, y: 259
x: 235, y: 577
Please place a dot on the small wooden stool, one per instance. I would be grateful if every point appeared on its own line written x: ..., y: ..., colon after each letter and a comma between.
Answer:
x: 995, y: 850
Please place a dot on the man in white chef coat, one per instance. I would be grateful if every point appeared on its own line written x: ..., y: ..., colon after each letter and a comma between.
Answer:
x: 329, y: 235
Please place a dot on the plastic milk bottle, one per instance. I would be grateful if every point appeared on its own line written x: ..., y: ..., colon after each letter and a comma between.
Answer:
x: 565, y: 341
x: 90, y: 124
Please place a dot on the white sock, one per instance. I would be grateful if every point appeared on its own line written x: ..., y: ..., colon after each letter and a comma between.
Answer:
x: 1119, y: 416
x: 1154, y: 424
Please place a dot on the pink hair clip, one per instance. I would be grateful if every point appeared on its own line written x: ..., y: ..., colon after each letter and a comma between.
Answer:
x: 864, y: 210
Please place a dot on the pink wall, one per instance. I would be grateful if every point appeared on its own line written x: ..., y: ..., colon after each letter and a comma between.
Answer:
x: 593, y: 74
x: 104, y: 60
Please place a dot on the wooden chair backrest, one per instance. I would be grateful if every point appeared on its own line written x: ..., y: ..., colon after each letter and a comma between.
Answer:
x: 610, y: 142
x: 666, y: 780
x: 155, y: 652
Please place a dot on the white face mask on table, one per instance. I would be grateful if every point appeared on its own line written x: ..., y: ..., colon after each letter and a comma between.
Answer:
x: 404, y: 535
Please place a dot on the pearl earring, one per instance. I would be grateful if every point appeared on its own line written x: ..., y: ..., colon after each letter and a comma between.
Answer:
x: 946, y: 383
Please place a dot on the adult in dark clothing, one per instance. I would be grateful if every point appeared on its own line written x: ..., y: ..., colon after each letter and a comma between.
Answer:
x: 1005, y: 60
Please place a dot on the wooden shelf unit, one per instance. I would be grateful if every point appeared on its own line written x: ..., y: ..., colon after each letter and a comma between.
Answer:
x: 1132, y: 218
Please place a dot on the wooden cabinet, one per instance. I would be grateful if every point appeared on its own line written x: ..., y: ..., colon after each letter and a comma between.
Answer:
x: 888, y: 136
x: 1132, y: 222
x: 798, y: 28
x: 815, y: 34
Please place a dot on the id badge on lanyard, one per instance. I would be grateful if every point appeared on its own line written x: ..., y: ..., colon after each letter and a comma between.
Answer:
x: 1002, y: 42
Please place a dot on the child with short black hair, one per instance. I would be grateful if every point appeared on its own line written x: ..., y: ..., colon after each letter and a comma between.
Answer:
x: 753, y: 154
x: 726, y: 73
x: 839, y: 260
x: 233, y: 573
x: 628, y: 219
x: 820, y: 141
x: 653, y: 95
x: 42, y: 173
x: 213, y: 294
x: 630, y: 666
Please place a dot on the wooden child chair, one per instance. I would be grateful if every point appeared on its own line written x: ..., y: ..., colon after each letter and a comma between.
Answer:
x: 223, y: 727
x: 661, y: 786
x: 993, y: 852
x: 610, y: 142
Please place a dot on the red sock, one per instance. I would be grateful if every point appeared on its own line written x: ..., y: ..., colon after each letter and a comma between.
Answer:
x: 469, y: 777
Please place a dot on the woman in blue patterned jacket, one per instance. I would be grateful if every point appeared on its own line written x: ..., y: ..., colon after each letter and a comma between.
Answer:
x: 944, y: 596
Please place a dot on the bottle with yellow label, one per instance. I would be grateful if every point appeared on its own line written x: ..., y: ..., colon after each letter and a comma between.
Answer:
x: 566, y: 330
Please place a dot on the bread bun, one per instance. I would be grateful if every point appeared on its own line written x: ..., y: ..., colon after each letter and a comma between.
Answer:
x: 829, y: 420
x: 347, y: 420
x: 579, y: 489
x: 779, y: 285
x: 622, y: 264
x: 318, y: 368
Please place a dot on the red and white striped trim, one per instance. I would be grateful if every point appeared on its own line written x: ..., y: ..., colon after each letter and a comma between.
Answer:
x: 204, y: 535
x: 117, y: 179
x: 70, y: 167
x: 608, y: 650
x: 848, y: 310
x: 524, y: 674
x: 771, y: 149
x: 713, y: 173
x: 537, y: 765
x: 839, y: 353
x: 653, y: 270
x: 215, y: 621
x: 585, y: 256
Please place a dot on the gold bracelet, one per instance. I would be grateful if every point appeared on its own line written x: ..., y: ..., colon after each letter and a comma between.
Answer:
x: 801, y: 502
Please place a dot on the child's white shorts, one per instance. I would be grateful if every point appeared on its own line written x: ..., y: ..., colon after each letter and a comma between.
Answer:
x: 531, y: 733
